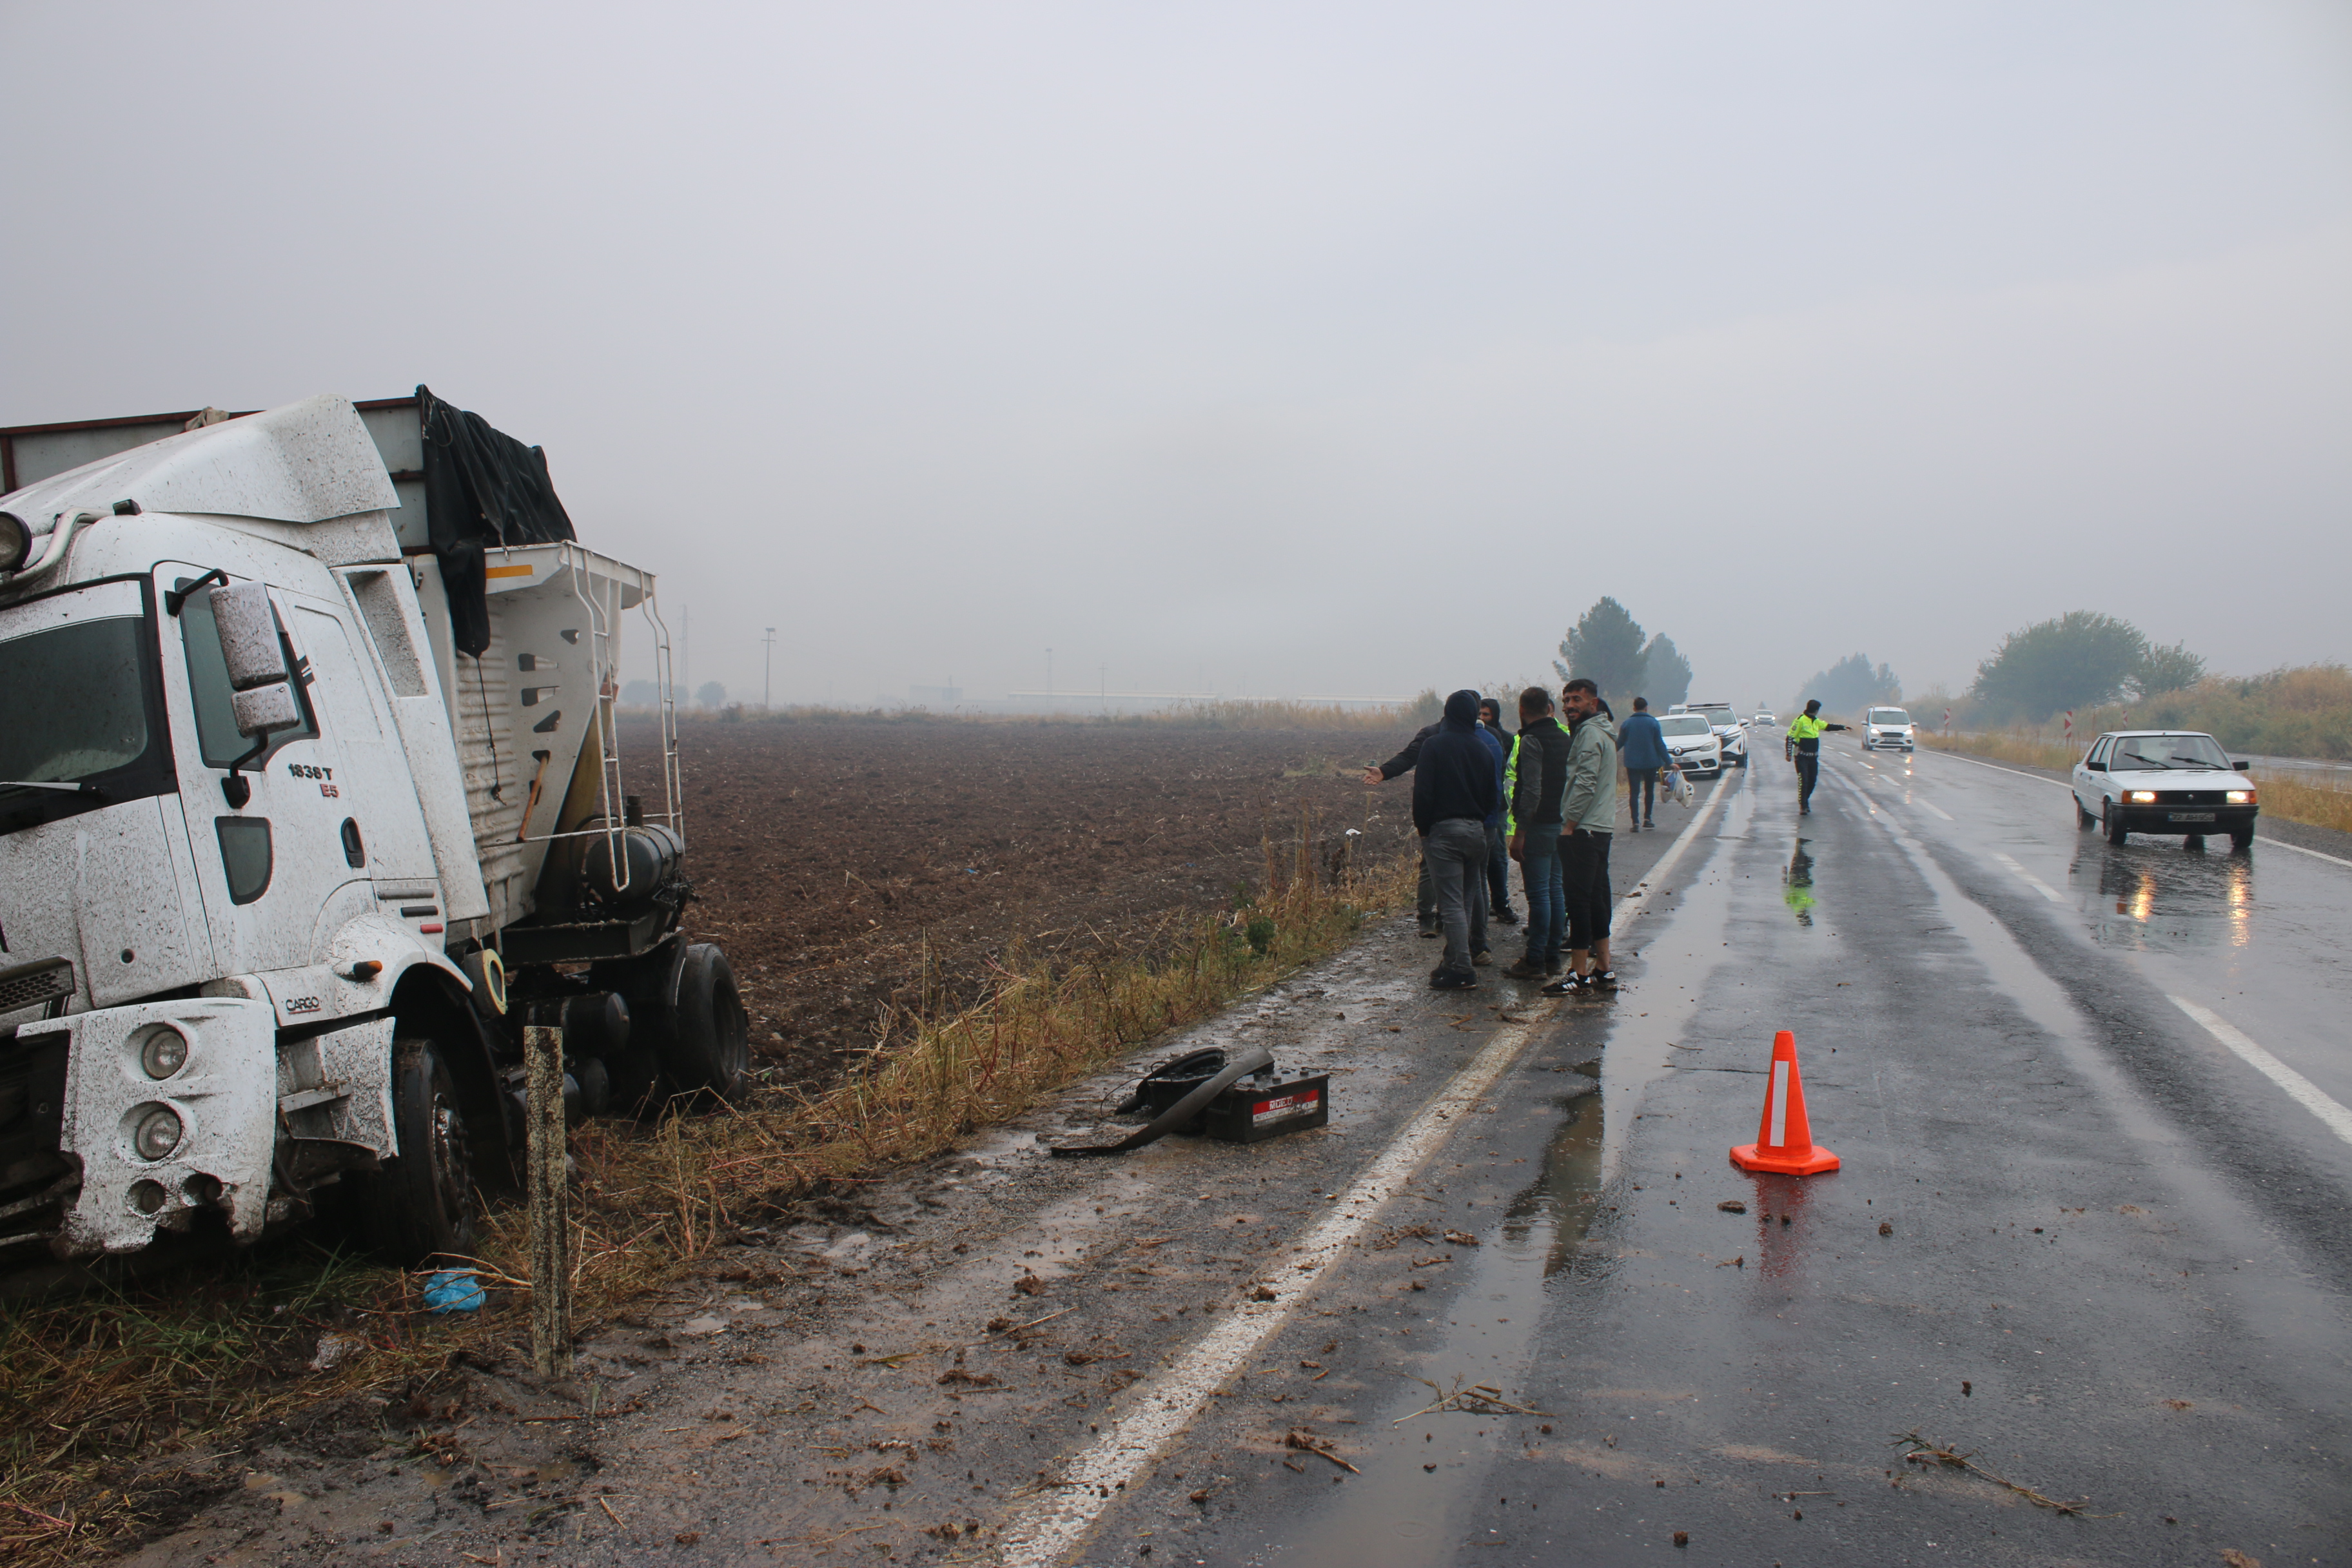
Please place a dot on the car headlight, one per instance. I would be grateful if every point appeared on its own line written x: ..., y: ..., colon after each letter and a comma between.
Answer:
x: 163, y: 1052
x: 2240, y: 797
x: 2140, y: 796
x: 158, y: 1133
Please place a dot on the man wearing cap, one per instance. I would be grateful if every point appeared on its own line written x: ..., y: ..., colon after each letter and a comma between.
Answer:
x: 1801, y: 744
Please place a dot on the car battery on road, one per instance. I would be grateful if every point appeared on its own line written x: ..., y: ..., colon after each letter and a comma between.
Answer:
x: 1264, y: 1105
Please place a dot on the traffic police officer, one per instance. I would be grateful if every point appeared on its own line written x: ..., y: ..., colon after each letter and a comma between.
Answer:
x: 1801, y: 744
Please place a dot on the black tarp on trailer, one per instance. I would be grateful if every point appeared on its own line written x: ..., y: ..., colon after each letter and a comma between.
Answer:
x: 482, y: 488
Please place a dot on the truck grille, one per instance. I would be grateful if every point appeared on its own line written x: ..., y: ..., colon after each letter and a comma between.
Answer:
x: 30, y: 985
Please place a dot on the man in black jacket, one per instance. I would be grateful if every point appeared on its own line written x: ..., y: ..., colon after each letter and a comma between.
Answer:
x: 1456, y: 786
x: 1498, y: 859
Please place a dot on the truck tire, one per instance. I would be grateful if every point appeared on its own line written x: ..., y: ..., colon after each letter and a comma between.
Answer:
x: 710, y: 1043
x: 419, y: 1205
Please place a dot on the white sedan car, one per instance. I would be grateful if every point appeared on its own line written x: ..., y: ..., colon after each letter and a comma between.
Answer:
x: 1888, y: 728
x: 1691, y: 741
x: 2175, y: 782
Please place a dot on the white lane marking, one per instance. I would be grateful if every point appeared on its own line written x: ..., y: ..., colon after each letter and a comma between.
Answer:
x: 1996, y: 767
x: 1939, y: 811
x: 2299, y: 1089
x: 1050, y: 1528
x: 2029, y: 880
x: 2283, y: 844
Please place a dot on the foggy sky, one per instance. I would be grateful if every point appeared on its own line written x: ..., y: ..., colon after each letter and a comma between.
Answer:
x: 1278, y: 348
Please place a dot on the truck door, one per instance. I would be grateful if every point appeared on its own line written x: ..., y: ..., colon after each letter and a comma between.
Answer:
x: 269, y: 870
x: 380, y: 801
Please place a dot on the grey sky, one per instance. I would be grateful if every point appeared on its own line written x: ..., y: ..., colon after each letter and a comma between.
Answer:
x: 1322, y: 349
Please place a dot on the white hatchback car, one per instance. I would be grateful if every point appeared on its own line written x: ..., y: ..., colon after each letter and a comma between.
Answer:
x: 1888, y: 728
x: 2176, y: 782
x: 1691, y: 741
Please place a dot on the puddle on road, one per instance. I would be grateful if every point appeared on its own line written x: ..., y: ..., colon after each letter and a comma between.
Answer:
x: 2164, y: 897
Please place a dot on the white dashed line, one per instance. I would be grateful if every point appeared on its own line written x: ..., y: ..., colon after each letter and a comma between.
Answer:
x: 1939, y: 811
x: 1052, y: 1527
x: 2029, y: 880
x: 2299, y: 1089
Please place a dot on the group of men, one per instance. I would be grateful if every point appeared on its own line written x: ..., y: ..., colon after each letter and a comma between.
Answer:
x: 1545, y: 797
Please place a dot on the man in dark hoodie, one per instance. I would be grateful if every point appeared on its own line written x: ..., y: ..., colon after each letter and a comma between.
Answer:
x: 1498, y: 859
x: 1455, y: 787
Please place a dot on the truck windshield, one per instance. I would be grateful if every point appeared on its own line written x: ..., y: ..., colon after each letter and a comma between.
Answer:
x: 77, y: 670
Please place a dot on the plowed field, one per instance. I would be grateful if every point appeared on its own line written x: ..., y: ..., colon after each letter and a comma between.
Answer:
x: 845, y: 865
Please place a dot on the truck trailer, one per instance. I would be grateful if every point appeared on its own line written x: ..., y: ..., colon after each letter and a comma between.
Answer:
x: 311, y: 798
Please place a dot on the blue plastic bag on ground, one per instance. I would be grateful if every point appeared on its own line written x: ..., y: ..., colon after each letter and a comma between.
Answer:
x: 453, y: 1290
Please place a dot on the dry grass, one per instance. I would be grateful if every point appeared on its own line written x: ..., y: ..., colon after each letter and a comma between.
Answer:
x: 2295, y: 797
x: 107, y: 1400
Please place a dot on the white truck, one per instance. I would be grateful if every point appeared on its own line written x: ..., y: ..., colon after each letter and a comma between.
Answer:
x: 310, y: 797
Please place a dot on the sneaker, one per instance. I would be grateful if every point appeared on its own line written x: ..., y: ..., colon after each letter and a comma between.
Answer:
x: 1483, y: 958
x: 1525, y: 969
x: 1431, y: 931
x: 1445, y: 979
x: 1566, y: 986
x: 1506, y: 917
x: 1606, y: 980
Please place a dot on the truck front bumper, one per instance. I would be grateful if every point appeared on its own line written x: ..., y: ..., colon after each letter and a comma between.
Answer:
x: 153, y: 1149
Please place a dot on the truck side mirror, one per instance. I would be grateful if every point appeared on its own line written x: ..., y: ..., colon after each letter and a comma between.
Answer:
x: 250, y: 648
x: 2243, y: 765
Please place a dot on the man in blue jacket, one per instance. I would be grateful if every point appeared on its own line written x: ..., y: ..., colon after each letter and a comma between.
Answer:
x: 1456, y: 786
x: 1643, y: 745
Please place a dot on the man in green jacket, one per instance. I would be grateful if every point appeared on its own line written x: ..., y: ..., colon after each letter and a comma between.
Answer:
x: 1801, y: 744
x: 1588, y: 813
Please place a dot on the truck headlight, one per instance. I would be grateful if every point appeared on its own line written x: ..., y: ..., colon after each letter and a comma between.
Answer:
x: 157, y: 1132
x: 2141, y: 797
x: 163, y: 1052
x: 15, y: 542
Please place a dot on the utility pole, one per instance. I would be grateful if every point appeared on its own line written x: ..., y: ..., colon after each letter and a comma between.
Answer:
x: 767, y: 667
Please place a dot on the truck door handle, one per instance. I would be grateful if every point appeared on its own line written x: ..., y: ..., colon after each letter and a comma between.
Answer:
x: 354, y: 851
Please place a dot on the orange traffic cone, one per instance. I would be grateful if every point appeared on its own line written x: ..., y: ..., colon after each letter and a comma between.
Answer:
x: 1784, y: 1141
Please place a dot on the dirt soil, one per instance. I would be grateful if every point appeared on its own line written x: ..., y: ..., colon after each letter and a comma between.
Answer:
x: 845, y: 866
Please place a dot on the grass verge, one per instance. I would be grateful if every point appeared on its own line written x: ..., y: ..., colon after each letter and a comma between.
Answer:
x: 109, y: 1400
x: 2296, y: 799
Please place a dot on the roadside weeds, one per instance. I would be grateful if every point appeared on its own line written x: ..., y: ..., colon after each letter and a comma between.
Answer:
x: 114, y: 1401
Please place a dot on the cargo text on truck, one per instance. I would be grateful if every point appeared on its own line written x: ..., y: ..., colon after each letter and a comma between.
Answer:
x: 309, y: 801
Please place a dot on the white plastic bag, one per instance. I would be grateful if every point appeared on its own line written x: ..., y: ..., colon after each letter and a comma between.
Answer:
x: 1678, y: 785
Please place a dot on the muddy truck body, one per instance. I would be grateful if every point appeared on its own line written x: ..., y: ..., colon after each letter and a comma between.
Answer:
x: 309, y: 799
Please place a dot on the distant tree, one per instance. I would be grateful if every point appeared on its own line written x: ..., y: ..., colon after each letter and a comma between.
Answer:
x: 1666, y: 674
x: 1427, y: 709
x: 1605, y: 648
x: 2163, y: 669
x: 710, y: 694
x: 1852, y: 684
x: 2078, y: 660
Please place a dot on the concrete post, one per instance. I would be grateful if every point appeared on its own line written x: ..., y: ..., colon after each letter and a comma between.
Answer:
x: 548, y: 1214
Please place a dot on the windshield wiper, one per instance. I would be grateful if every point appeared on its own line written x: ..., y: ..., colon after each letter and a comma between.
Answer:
x: 51, y: 783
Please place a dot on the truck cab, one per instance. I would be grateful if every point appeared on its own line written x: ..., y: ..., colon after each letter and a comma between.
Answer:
x: 263, y: 854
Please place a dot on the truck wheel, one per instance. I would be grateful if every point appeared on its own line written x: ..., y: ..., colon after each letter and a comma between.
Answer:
x: 703, y: 1037
x: 420, y: 1204
x: 2115, y: 833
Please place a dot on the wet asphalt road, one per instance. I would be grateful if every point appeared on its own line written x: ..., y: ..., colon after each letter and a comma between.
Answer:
x: 2115, y: 1261
x: 2114, y: 1265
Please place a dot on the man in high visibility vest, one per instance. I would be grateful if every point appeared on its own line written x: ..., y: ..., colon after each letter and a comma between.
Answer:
x: 1801, y: 744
